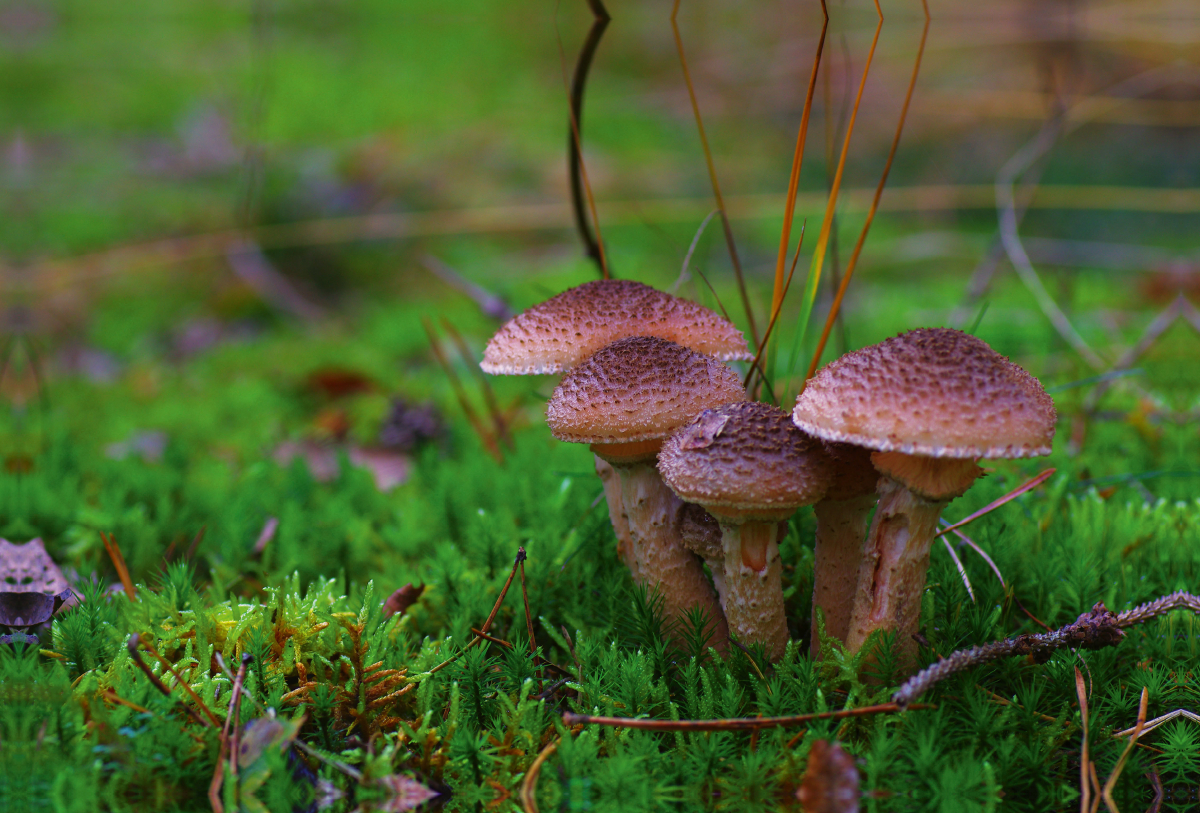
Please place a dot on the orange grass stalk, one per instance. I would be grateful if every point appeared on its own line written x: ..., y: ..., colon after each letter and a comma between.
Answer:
x: 835, y: 307
x: 818, y: 260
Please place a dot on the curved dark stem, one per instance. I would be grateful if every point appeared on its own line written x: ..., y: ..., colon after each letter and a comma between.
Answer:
x: 575, y: 130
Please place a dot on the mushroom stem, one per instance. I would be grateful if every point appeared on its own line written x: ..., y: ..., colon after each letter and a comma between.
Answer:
x: 616, y: 514
x: 841, y: 531
x: 661, y: 558
x: 891, y: 576
x: 753, y: 584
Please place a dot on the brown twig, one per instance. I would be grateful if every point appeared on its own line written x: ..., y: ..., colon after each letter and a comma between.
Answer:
x: 491, y: 617
x: 132, y: 646
x: 529, y: 786
x: 212, y: 718
x: 835, y: 307
x: 235, y: 699
x: 580, y: 187
x: 118, y: 560
x: 733, y: 723
x: 529, y: 621
x: 712, y: 176
x: 1085, y: 786
x: 789, y: 209
x: 1095, y: 629
x: 1120, y: 766
x: 1028, y: 485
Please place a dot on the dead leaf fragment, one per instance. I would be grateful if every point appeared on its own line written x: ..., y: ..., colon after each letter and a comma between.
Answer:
x: 399, y: 602
x: 830, y: 781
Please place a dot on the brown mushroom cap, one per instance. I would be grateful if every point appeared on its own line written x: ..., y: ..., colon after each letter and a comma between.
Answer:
x: 933, y: 391
x: 638, y: 389
x: 745, y: 460
x: 563, y: 331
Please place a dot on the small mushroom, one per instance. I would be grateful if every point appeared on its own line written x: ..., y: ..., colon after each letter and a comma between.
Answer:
x: 842, y: 518
x: 928, y: 403
x: 624, y: 401
x: 558, y: 334
x: 748, y: 466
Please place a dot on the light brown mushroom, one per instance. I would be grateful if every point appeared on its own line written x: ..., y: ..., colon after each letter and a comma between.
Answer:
x: 561, y: 332
x: 749, y: 467
x: 929, y: 403
x: 624, y: 401
x: 842, y: 518
x: 558, y: 334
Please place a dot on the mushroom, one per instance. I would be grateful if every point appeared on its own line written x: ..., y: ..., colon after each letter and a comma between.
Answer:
x: 748, y: 466
x: 842, y: 518
x: 561, y: 332
x: 624, y: 401
x: 928, y: 403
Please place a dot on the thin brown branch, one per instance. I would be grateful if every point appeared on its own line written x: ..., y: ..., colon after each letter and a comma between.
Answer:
x: 529, y: 785
x: 712, y: 176
x: 733, y: 723
x: 118, y: 560
x: 835, y: 307
x: 212, y: 718
x: 789, y: 209
x: 487, y: 625
x: 1095, y: 629
x: 580, y: 187
x: 1028, y: 485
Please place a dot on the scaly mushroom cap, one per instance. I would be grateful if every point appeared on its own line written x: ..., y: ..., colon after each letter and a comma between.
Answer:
x: 561, y: 332
x: 935, y: 392
x: 638, y: 389
x: 745, y: 460
x: 851, y: 472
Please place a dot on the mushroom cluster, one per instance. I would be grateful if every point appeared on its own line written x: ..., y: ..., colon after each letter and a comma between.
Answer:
x: 695, y: 473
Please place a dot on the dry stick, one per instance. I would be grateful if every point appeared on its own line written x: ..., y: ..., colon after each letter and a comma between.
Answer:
x: 835, y: 307
x: 712, y: 176
x: 1095, y: 629
x: 757, y: 363
x: 529, y: 623
x: 136, y: 639
x: 218, y: 780
x: 460, y: 393
x: 489, y: 397
x: 1085, y: 787
x: 118, y: 560
x: 733, y: 723
x: 132, y: 645
x: 486, y: 624
x: 789, y: 210
x: 529, y: 786
x: 966, y: 540
x: 593, y: 244
x: 818, y: 260
x: 1028, y: 485
x: 1137, y: 732
x: 308, y: 749
x: 684, y: 276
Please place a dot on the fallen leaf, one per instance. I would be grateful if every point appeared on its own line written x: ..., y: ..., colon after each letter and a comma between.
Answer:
x: 336, y: 382
x: 830, y: 781
x: 405, y: 794
x: 399, y: 602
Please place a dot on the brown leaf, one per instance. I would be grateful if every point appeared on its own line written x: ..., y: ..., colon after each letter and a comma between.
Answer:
x: 336, y: 382
x: 830, y: 781
x: 405, y: 794
x: 399, y: 602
